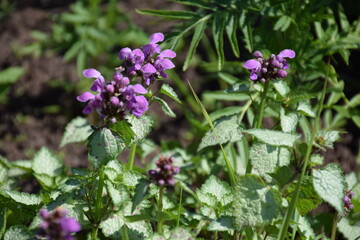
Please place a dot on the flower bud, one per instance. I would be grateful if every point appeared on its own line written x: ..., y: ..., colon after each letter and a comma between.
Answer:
x: 257, y: 54
x: 281, y: 74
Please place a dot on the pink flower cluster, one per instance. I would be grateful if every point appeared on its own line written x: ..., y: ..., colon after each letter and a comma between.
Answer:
x: 263, y: 70
x: 56, y: 225
x: 114, y: 99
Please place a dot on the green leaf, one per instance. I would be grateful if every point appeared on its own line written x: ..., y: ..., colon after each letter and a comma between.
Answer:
x: 196, y: 3
x: 21, y: 197
x: 308, y: 199
x: 305, y: 108
x: 225, y: 112
x: 181, y: 233
x: 140, y: 192
x: 329, y: 183
x: 11, y: 75
x: 231, y: 27
x: 183, y: 15
x: 198, y: 33
x: 274, y: 138
x: 131, y: 178
x: 221, y: 224
x: 355, y: 101
x: 288, y: 122
x: 78, y: 130
x: 223, y: 96
x: 165, y: 107
x: 123, y: 129
x: 326, y: 138
x: 230, y: 79
x: 73, y: 51
x: 47, y: 168
x: 316, y: 160
x: 104, y: 146
x: 351, y: 180
x: 305, y: 228
x: 266, y: 158
x: 255, y: 204
x: 18, y: 232
x: 141, y: 126
x: 218, y: 31
x: 282, y: 23
x: 169, y: 91
x: 238, y: 87
x: 282, y: 175
x: 228, y: 130
x: 115, y: 224
x: 119, y: 194
x: 281, y: 87
x: 350, y: 231
x: 112, y: 170
x: 215, y: 193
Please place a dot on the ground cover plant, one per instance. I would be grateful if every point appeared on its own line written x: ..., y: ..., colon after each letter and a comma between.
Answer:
x: 255, y: 163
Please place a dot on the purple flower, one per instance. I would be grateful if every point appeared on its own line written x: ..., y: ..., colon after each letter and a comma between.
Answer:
x: 347, y: 200
x: 148, y: 62
x: 114, y: 99
x: 165, y: 171
x: 56, y: 225
x: 266, y: 69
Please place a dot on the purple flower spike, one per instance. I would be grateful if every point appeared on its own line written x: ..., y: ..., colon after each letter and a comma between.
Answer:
x: 263, y: 70
x: 347, y: 200
x: 115, y: 99
x: 56, y: 225
x: 164, y: 173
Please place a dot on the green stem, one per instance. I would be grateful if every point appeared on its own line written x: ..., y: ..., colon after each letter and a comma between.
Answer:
x: 99, y: 195
x: 94, y: 232
x: 333, y: 232
x: 179, y: 212
x: 289, y: 213
x: 262, y: 105
x: 132, y: 156
x: 215, y: 235
x: 160, y: 207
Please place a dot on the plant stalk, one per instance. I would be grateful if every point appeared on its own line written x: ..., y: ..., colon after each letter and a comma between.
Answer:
x: 94, y: 233
x: 289, y: 213
x: 333, y: 231
x: 99, y: 195
x: 132, y: 156
x: 160, y: 208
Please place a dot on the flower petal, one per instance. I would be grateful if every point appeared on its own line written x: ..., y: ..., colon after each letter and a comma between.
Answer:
x: 124, y: 53
x: 168, y: 53
x: 91, y: 73
x: 253, y: 76
x: 166, y: 64
x: 251, y: 64
x: 138, y: 88
x: 87, y: 110
x: 85, y: 96
x: 140, y: 106
x: 156, y: 37
x: 287, y: 53
x: 70, y: 225
x: 148, y: 68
